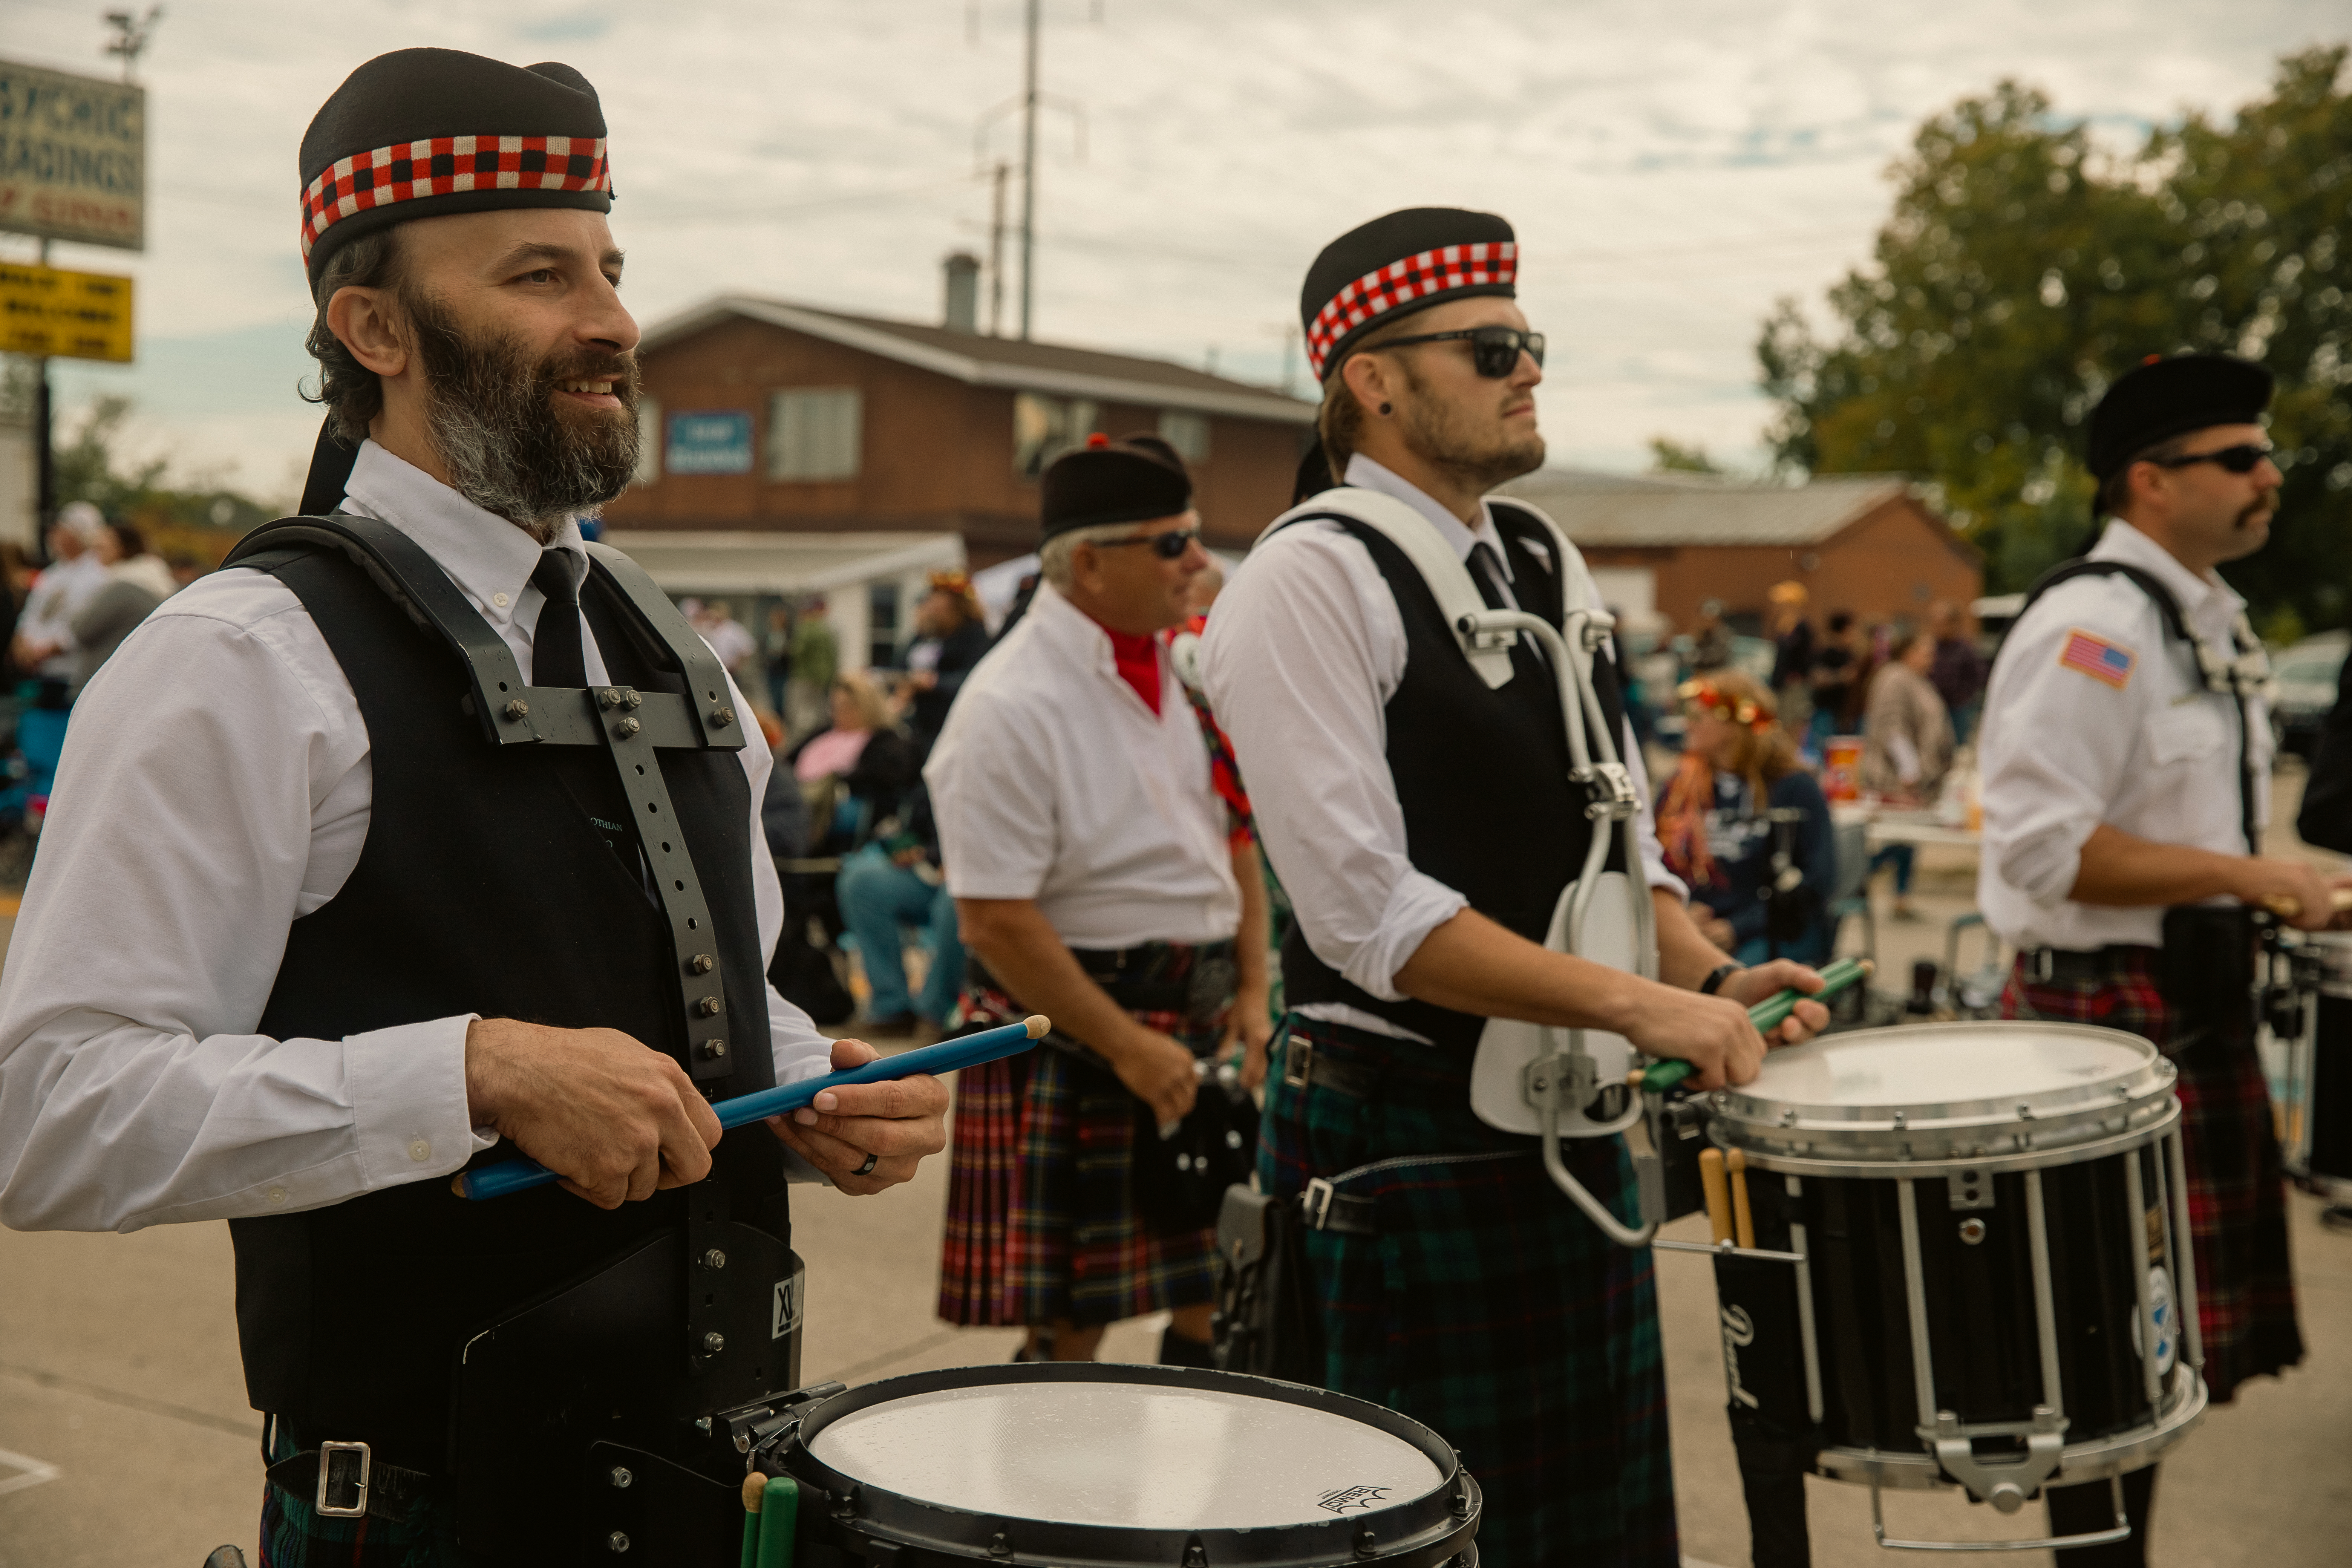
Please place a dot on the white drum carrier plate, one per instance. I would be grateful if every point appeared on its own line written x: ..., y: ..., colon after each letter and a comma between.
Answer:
x: 2004, y: 1096
x: 1131, y: 1455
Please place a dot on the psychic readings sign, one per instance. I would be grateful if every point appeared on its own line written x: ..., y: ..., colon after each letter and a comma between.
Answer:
x: 50, y: 312
x: 716, y: 442
x: 73, y: 157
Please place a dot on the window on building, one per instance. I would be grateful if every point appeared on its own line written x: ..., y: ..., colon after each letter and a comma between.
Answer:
x: 1046, y: 428
x: 882, y: 624
x: 815, y: 433
x: 649, y: 442
x: 1187, y: 433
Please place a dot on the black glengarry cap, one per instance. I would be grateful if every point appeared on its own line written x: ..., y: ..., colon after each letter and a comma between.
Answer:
x: 1136, y: 478
x: 2164, y: 397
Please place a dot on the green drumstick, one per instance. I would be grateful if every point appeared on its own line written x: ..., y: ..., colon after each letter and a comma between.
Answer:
x: 1767, y: 1015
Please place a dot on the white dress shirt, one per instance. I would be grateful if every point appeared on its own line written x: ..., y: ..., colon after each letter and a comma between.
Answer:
x: 216, y: 787
x: 61, y: 593
x: 1054, y: 780
x: 2146, y: 748
x: 1303, y: 651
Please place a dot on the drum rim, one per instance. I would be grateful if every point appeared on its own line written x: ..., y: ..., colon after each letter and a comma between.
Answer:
x: 2053, y: 1110
x: 1434, y: 1525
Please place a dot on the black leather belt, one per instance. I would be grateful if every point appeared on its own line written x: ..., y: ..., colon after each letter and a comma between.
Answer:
x: 1324, y: 1207
x: 344, y: 1481
x: 1302, y: 1068
x: 2066, y: 967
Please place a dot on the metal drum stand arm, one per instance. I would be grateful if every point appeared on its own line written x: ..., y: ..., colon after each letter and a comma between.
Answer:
x: 1612, y: 806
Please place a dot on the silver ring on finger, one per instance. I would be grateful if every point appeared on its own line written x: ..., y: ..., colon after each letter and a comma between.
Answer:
x: 867, y: 1169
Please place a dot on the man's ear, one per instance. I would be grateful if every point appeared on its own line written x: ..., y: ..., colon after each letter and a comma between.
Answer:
x: 364, y: 320
x: 1368, y: 377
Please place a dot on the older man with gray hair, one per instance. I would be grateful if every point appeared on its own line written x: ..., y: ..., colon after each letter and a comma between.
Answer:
x: 1101, y: 878
x: 45, y: 640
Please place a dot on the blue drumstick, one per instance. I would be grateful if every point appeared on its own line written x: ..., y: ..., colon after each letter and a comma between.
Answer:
x: 515, y: 1175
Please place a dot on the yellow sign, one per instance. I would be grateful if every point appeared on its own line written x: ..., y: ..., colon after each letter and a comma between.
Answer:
x: 66, y: 315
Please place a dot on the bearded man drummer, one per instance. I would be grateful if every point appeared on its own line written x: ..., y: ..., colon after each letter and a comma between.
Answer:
x: 2125, y: 784
x: 296, y: 903
x: 1424, y: 825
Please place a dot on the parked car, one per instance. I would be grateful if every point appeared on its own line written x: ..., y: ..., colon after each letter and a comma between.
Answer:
x: 2307, y: 674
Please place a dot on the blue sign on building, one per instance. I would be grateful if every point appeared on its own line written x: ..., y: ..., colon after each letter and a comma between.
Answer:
x: 719, y: 442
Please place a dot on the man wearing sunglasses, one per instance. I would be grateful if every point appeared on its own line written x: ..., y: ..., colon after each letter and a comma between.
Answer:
x: 1420, y: 812
x: 2127, y: 752
x: 1098, y: 880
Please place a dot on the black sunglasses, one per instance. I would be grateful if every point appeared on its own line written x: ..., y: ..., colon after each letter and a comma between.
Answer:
x: 2237, y: 459
x: 1494, y: 351
x: 1167, y: 546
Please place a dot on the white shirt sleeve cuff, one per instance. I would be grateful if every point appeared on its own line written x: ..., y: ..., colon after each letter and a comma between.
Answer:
x: 2043, y: 866
x: 1417, y: 905
x: 407, y: 1090
x: 800, y: 1050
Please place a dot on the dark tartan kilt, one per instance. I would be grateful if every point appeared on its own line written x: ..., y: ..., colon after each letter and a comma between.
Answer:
x: 2237, y: 1193
x: 1041, y: 1223
x: 1488, y: 1306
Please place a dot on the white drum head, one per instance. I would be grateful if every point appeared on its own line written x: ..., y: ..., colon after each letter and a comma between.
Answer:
x: 1930, y: 1065
x: 1133, y: 1455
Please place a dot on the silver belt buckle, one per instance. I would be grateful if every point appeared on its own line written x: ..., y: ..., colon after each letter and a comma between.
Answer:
x: 1318, y: 1195
x: 1297, y: 1062
x: 2042, y: 965
x: 326, y: 1452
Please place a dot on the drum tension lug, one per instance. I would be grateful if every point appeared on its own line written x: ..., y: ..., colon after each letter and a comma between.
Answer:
x: 845, y: 1503
x: 1000, y: 1545
x: 1367, y: 1543
x: 1195, y: 1554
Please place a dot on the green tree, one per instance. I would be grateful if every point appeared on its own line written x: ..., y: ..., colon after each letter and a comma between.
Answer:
x: 1669, y: 455
x: 192, y: 520
x: 2021, y: 272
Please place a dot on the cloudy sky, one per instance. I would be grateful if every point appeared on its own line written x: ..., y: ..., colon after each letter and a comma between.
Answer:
x: 1672, y: 167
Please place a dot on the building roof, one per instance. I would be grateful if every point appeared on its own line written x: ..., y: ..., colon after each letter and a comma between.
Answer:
x: 684, y: 561
x: 978, y: 360
x: 1631, y: 511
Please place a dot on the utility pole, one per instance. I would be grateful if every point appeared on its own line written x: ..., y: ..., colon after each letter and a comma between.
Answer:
x: 1029, y: 175
x: 131, y: 35
x: 997, y: 250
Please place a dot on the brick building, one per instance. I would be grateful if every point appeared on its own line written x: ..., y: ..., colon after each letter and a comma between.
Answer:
x: 765, y: 416
x: 1864, y: 542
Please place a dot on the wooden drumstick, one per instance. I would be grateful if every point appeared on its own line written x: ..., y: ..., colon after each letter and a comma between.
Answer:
x: 2287, y: 906
x: 755, y: 1491
x: 1718, y: 1196
x: 1743, y: 1222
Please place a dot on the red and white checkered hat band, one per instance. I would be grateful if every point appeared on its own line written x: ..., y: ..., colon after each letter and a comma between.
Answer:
x: 1414, y: 278
x: 445, y: 165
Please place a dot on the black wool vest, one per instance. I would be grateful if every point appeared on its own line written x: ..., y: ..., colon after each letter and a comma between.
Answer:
x: 504, y: 881
x: 1481, y: 772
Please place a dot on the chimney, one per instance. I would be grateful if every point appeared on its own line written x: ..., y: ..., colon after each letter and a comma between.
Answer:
x: 962, y: 270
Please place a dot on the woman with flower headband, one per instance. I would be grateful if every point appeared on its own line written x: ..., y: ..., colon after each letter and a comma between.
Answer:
x: 1748, y: 827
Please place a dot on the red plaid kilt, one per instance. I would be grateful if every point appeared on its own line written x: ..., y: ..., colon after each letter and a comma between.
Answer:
x: 1041, y: 1225
x: 2237, y: 1193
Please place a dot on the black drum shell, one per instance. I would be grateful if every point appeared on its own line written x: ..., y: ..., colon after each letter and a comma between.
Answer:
x: 2328, y: 1109
x: 845, y: 1523
x: 1983, y: 1340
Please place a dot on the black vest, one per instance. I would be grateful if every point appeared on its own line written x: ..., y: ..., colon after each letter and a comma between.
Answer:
x: 1482, y: 772
x: 504, y: 881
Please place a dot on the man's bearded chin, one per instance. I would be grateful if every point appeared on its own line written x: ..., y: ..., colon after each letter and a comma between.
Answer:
x: 1456, y: 441
x: 510, y: 445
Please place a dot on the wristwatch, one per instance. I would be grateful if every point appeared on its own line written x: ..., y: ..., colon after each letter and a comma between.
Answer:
x: 1713, y: 981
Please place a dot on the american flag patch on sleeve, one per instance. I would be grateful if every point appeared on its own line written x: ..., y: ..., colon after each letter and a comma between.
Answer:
x: 2098, y: 657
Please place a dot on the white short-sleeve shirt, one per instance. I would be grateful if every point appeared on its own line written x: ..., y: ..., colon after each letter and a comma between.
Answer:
x: 1054, y: 780
x: 2094, y: 714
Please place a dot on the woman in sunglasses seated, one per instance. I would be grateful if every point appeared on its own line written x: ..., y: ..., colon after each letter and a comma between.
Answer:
x: 1739, y: 817
x: 1096, y: 882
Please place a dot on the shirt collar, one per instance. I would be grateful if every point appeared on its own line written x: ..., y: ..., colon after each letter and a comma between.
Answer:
x: 1079, y: 637
x: 1366, y: 474
x: 488, y: 558
x: 2209, y: 602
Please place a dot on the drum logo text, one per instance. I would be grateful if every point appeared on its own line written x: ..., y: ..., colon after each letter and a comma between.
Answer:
x: 1738, y: 1330
x: 1363, y: 1498
x: 785, y: 1315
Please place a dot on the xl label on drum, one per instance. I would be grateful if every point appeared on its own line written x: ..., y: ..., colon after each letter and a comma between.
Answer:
x: 785, y: 1315
x: 1346, y: 1498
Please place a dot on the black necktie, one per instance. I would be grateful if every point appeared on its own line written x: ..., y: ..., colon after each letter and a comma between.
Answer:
x: 555, y: 656
x: 1486, y: 571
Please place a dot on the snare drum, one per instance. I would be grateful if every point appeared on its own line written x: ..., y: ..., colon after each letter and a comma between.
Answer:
x: 2316, y: 1140
x: 1076, y: 1462
x: 1997, y: 1289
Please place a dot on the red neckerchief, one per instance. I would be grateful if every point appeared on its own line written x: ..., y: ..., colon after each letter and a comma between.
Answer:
x: 1137, y: 659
